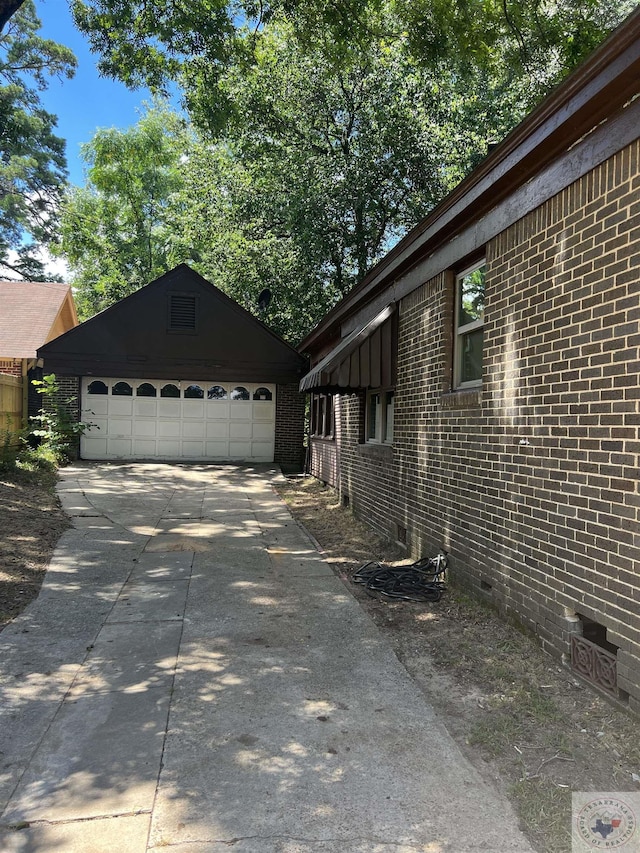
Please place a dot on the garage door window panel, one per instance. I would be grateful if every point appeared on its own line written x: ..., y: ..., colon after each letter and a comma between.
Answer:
x: 170, y: 391
x: 97, y: 387
x: 194, y: 392
x: 240, y: 393
x: 122, y: 389
x: 217, y: 392
x: 146, y: 390
x: 262, y: 394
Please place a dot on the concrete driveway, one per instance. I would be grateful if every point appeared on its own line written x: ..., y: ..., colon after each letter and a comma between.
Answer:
x: 193, y: 677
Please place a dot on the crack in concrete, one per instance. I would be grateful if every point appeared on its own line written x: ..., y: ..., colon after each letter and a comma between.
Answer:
x: 418, y: 846
x: 28, y: 824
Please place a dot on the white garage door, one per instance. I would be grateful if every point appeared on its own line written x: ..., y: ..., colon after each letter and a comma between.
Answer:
x: 159, y: 419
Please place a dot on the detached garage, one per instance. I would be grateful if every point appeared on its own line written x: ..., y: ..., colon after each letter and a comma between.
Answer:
x: 177, y: 371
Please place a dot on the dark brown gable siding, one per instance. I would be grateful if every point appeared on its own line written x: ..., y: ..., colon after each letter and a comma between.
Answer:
x: 133, y: 338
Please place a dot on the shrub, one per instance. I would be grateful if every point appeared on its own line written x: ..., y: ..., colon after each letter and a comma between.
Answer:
x: 50, y: 441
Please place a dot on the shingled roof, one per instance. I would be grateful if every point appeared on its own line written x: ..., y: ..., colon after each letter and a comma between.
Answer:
x: 28, y: 314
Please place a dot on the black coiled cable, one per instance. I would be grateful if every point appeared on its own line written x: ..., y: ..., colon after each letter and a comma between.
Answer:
x: 423, y: 580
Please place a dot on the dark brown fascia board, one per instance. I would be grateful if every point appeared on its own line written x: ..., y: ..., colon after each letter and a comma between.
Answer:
x: 71, y: 365
x: 595, y: 91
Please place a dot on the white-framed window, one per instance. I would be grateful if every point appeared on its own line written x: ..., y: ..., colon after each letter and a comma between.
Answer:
x: 379, y: 416
x: 469, y: 323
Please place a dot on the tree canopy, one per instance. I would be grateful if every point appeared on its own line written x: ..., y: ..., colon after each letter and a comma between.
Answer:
x: 120, y: 230
x: 32, y: 157
x: 317, y: 174
x: 322, y: 131
x: 194, y: 43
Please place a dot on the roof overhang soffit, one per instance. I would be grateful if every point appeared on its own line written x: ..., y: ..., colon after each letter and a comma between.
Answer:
x: 364, y: 359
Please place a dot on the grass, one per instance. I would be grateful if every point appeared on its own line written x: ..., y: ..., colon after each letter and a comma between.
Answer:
x: 543, y: 808
x: 495, y: 735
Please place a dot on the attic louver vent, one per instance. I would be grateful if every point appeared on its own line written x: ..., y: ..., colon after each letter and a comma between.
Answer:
x: 182, y: 313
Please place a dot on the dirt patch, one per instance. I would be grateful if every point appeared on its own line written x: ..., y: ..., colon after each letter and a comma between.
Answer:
x: 31, y: 522
x: 521, y: 717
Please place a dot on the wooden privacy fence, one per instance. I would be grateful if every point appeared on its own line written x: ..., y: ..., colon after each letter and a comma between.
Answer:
x: 10, y: 403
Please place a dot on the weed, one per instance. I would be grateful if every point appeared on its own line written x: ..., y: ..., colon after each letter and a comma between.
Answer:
x: 533, y: 703
x: 496, y: 734
x: 50, y: 439
x: 501, y: 673
x: 54, y: 429
x: 11, y: 441
x: 509, y: 646
x: 8, y: 451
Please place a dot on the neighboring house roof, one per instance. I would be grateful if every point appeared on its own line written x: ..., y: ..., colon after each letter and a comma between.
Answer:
x: 32, y: 313
x: 138, y: 336
x: 595, y: 109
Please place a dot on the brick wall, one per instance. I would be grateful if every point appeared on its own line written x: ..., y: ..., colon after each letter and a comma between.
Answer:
x: 68, y: 395
x: 324, y: 458
x: 324, y: 461
x: 563, y: 371
x: 12, y: 366
x: 34, y: 399
x: 289, y: 449
x: 67, y: 398
x: 532, y: 483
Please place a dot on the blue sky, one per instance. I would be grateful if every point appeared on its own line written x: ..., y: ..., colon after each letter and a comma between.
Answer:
x: 88, y: 101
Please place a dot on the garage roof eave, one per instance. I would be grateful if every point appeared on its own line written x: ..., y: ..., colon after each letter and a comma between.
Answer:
x: 72, y: 365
